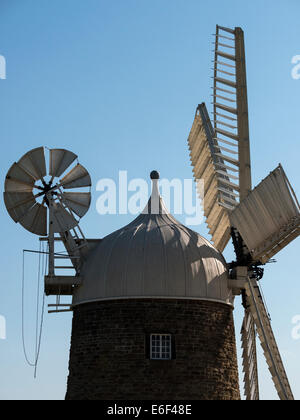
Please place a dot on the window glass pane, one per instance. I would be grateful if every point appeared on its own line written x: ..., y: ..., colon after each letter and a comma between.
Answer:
x: 160, y: 345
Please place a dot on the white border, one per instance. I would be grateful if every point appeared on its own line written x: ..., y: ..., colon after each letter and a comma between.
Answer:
x: 152, y: 297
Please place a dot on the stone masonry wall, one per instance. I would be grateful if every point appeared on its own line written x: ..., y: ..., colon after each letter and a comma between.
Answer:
x: 108, y: 357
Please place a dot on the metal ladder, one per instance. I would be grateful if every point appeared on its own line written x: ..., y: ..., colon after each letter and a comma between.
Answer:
x: 76, y: 247
x: 74, y: 242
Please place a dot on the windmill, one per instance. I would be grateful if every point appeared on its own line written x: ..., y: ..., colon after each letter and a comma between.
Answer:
x: 49, y: 201
x: 260, y: 221
x: 155, y: 265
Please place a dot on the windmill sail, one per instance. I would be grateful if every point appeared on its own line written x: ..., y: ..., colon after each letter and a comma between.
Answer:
x: 78, y: 202
x: 248, y: 335
x: 219, y: 150
x: 264, y: 329
x: 78, y: 177
x: 230, y: 103
x: 208, y: 164
x: 269, y: 218
x: 26, y: 182
x: 34, y: 163
x: 60, y: 160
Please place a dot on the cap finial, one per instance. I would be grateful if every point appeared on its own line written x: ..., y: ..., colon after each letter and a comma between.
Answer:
x: 154, y: 175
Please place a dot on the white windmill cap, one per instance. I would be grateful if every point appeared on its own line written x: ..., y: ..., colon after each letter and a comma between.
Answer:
x: 155, y: 256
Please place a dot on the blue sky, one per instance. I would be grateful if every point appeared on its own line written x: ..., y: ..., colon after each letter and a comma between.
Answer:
x: 118, y: 82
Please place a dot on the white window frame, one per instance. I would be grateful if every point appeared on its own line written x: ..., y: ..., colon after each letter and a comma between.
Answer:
x: 161, y: 346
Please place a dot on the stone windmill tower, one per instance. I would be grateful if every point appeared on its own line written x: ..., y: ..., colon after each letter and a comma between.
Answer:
x: 153, y: 302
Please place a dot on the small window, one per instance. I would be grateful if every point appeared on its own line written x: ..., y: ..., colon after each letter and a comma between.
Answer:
x: 160, y: 346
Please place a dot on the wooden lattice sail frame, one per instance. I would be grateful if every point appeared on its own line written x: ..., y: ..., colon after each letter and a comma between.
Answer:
x: 220, y: 150
x: 230, y: 87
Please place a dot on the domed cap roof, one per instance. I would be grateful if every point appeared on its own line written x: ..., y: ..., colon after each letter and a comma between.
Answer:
x: 155, y: 256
